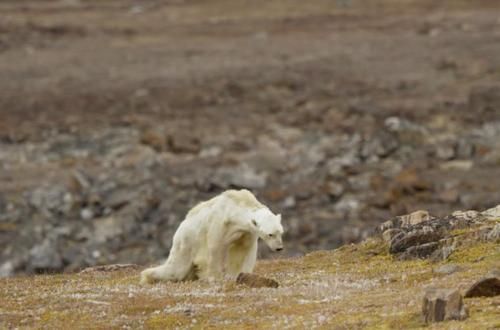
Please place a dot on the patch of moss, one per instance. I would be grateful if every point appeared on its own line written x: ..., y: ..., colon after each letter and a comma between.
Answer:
x: 140, y: 305
x: 475, y: 253
x: 168, y: 321
x: 461, y: 232
x: 64, y: 319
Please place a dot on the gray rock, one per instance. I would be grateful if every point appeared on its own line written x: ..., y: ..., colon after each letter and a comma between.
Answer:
x: 289, y: 202
x: 241, y: 176
x: 107, y: 228
x: 86, y: 214
x: 464, y: 149
x: 50, y: 199
x: 445, y: 151
x: 7, y: 269
x: 414, y: 218
x: 396, y: 124
x: 465, y: 215
x: 381, y: 145
x: 45, y: 256
x: 447, y: 269
x: 443, y: 305
x: 419, y: 251
x: 441, y: 254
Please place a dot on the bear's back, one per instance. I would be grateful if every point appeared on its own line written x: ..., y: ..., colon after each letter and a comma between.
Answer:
x: 242, y: 198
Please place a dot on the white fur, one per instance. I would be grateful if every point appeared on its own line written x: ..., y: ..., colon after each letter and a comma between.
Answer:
x: 219, y: 237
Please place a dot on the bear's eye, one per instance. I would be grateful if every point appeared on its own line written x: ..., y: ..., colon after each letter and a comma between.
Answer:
x: 271, y: 235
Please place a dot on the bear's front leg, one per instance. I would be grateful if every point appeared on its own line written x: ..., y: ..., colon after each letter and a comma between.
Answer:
x: 216, y: 262
x: 217, y: 251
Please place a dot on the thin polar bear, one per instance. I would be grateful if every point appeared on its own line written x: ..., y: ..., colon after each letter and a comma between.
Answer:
x: 219, y: 238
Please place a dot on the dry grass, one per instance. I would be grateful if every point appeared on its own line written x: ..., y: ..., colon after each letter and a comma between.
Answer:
x: 356, y: 286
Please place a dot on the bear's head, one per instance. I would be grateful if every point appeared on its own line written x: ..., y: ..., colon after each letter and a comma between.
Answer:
x: 268, y: 227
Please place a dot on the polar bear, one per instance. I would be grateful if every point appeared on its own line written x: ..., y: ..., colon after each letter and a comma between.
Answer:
x: 219, y: 238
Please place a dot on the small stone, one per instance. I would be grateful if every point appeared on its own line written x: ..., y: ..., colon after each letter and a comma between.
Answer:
x: 414, y: 218
x: 447, y: 269
x: 445, y: 152
x: 155, y: 139
x: 86, y: 214
x: 457, y: 165
x: 183, y: 143
x: 256, y: 281
x: 334, y: 190
x: 485, y: 287
x: 443, y: 305
x: 289, y: 202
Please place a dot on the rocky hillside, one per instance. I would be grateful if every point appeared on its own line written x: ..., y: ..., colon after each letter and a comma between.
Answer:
x: 117, y: 116
x: 377, y: 284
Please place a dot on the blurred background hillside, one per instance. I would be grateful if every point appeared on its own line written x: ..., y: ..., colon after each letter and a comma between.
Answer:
x: 117, y: 116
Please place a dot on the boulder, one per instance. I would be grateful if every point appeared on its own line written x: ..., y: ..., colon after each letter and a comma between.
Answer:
x: 486, y: 287
x: 406, y: 240
x: 494, y: 212
x: 443, y: 305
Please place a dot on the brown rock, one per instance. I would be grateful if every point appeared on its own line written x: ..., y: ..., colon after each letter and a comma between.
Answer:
x: 109, y: 268
x: 409, y: 180
x: 256, y: 281
x: 449, y: 196
x: 183, y: 143
x: 485, y: 287
x: 443, y: 305
x: 155, y: 139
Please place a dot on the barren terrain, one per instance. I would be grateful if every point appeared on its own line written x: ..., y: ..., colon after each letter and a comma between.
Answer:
x: 117, y: 116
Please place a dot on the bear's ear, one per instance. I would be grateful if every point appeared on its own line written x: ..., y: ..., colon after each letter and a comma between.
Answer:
x: 254, y: 222
x: 279, y: 217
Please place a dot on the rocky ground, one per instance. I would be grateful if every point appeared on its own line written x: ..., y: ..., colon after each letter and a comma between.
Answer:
x: 376, y: 284
x: 117, y: 116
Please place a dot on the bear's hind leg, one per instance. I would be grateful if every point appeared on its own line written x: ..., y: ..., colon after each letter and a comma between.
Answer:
x: 178, y: 267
